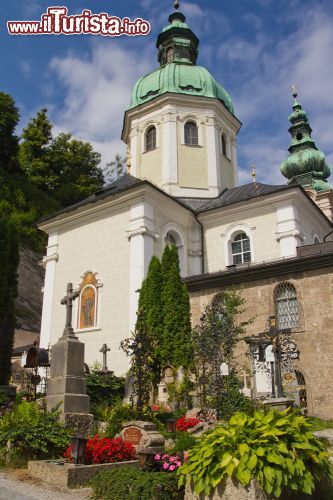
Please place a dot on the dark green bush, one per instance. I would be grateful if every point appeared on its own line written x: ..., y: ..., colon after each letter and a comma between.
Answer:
x: 232, y: 400
x: 28, y: 432
x: 128, y: 483
x: 104, y: 390
x: 184, y: 442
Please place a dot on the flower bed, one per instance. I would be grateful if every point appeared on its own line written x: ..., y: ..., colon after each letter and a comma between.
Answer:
x: 105, y: 451
x: 169, y: 463
x: 185, y: 423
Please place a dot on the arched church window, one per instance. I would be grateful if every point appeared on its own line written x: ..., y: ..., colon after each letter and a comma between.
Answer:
x: 151, y: 138
x: 169, y: 55
x: 224, y: 145
x: 191, y: 134
x: 87, y: 317
x: 286, y: 306
x: 315, y: 240
x: 170, y: 240
x: 240, y: 249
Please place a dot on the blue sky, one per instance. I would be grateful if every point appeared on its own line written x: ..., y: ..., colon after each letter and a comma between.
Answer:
x: 255, y: 48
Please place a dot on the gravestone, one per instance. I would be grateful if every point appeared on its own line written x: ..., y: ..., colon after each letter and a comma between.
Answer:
x: 142, y: 435
x: 67, y: 384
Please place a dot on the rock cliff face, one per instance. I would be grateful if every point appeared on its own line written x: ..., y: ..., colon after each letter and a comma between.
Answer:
x: 30, y: 297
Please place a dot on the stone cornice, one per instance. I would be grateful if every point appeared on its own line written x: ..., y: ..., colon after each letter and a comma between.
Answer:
x: 142, y: 231
x: 256, y: 272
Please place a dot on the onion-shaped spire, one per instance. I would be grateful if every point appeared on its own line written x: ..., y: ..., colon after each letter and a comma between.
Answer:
x: 306, y: 165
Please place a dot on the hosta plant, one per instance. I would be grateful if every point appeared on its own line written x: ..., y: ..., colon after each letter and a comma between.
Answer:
x: 275, y: 449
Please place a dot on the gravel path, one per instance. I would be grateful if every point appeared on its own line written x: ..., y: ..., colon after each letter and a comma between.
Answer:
x: 18, y: 489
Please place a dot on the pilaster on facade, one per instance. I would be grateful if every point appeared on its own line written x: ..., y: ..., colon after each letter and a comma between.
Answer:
x: 141, y: 235
x: 49, y: 262
x: 233, y: 147
x: 288, y: 232
x: 169, y: 154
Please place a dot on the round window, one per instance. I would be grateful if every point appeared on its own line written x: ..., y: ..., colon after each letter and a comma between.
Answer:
x: 299, y: 136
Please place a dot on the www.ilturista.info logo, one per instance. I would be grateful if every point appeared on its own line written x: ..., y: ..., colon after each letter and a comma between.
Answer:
x: 56, y: 21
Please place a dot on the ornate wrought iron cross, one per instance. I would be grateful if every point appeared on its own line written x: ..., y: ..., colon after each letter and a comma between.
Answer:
x: 68, y: 302
x: 105, y: 349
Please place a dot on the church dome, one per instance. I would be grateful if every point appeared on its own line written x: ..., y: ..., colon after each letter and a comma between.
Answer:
x: 179, y: 78
x: 306, y: 164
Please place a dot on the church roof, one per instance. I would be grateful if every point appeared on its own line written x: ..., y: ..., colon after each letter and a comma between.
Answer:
x: 230, y: 196
x: 124, y: 183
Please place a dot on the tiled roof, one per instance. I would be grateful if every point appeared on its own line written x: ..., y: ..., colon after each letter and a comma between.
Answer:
x: 230, y: 196
x: 124, y: 183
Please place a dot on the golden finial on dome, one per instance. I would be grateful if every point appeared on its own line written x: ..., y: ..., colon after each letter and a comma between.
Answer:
x: 294, y: 91
x: 176, y: 5
x: 254, y: 175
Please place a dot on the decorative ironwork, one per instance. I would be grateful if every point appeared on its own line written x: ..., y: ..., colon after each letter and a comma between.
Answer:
x: 286, y: 306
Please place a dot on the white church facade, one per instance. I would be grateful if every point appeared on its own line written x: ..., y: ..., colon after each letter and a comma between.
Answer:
x: 182, y: 186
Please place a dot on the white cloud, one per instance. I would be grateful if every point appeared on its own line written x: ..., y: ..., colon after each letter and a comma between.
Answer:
x: 98, y: 90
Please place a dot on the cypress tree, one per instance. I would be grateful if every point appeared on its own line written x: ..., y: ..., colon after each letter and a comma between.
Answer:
x: 176, y: 347
x: 150, y: 302
x: 9, y: 260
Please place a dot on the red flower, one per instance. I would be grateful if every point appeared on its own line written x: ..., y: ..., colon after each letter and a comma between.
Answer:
x: 185, y: 423
x: 106, y: 450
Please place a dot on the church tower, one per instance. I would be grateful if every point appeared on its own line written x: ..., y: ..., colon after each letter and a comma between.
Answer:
x: 181, y: 128
x: 306, y: 165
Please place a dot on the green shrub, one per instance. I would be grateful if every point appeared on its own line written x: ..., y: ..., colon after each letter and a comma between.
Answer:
x: 128, y: 483
x: 231, y: 400
x: 104, y: 390
x: 184, y: 442
x: 28, y: 432
x: 122, y: 413
x: 276, y: 449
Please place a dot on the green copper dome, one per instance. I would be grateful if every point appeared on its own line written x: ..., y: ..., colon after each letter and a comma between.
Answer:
x: 178, y: 74
x: 179, y: 79
x: 306, y: 165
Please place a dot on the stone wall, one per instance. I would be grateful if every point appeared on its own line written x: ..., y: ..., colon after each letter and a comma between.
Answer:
x: 314, y: 337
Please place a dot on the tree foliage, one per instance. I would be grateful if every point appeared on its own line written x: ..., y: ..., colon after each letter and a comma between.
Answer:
x: 115, y: 169
x: 9, y: 260
x: 215, y: 339
x: 9, y: 118
x: 176, y: 348
x: 42, y: 174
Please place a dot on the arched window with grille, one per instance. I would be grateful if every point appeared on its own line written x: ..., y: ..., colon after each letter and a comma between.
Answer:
x: 241, y: 249
x: 286, y: 306
x: 224, y: 144
x: 191, y: 134
x: 150, y: 140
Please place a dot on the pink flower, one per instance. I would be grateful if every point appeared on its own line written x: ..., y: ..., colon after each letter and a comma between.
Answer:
x: 166, y: 466
x: 172, y: 467
x: 165, y: 456
x: 185, y: 455
x: 157, y: 457
x: 178, y: 464
x: 172, y: 459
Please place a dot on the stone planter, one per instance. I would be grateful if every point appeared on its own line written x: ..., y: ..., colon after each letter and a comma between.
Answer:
x: 228, y: 490
x: 68, y: 475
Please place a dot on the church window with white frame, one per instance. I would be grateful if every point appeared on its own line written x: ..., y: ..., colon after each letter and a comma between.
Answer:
x: 286, y: 306
x: 150, y: 139
x: 191, y: 133
x: 170, y: 239
x: 241, y: 249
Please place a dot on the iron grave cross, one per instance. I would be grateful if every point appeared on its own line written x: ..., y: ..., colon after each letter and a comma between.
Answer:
x: 68, y: 302
x: 104, y: 350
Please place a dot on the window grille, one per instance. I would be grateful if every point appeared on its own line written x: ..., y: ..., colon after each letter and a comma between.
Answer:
x: 191, y: 134
x: 151, y: 139
x: 286, y: 306
x: 240, y: 248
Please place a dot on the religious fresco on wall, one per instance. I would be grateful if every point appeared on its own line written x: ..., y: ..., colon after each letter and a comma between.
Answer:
x: 88, y: 301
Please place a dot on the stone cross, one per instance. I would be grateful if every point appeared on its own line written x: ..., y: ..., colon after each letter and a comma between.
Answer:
x: 68, y: 302
x: 105, y: 349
